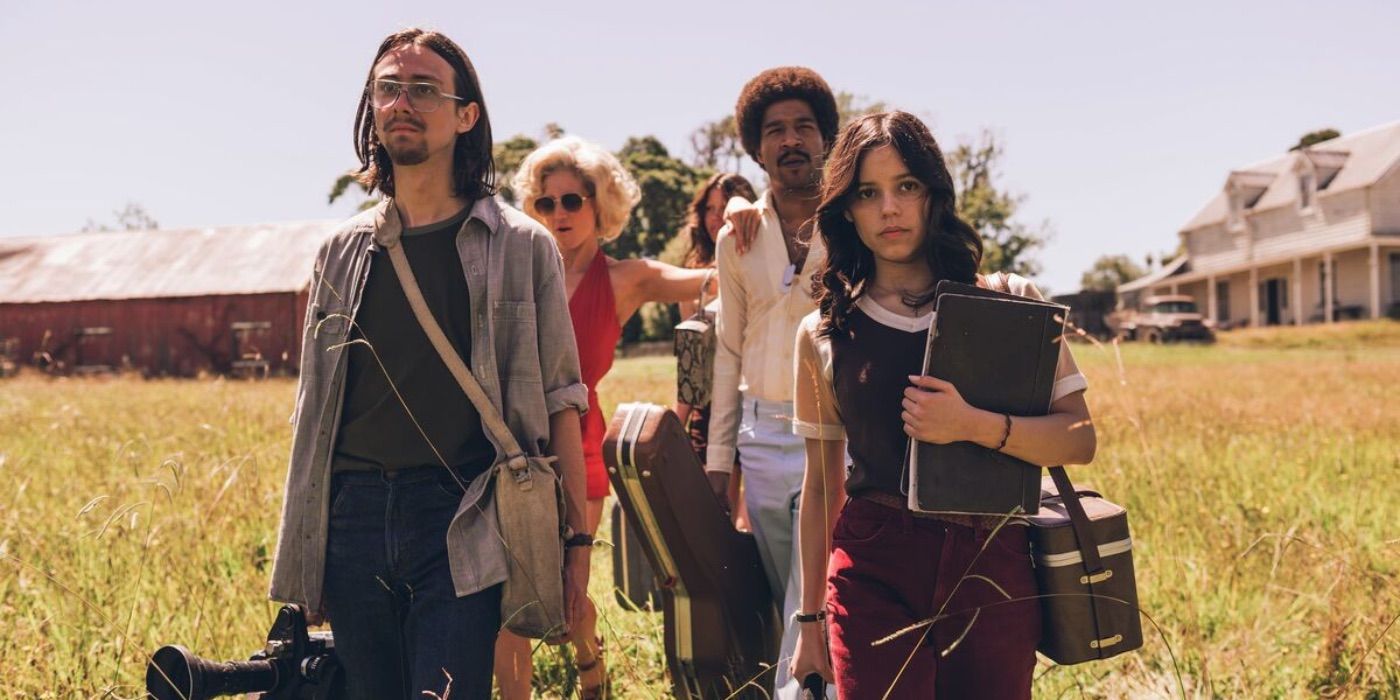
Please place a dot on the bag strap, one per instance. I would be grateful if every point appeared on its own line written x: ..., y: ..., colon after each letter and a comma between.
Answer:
x: 1078, y: 519
x: 700, y: 299
x: 490, y: 417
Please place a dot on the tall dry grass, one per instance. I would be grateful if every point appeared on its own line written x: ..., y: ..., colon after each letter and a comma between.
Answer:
x: 1261, y: 476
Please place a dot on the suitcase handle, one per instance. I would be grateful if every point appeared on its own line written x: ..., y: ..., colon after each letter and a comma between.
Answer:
x: 1078, y: 520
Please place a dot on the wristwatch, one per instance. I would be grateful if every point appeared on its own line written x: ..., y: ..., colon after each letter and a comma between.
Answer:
x: 581, y: 539
x: 801, y: 617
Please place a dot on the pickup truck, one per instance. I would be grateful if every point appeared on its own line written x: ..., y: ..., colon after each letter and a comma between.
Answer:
x: 1162, y: 319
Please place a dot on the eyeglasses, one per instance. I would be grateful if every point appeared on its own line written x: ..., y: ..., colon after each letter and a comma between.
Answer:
x: 422, y: 97
x: 571, y: 203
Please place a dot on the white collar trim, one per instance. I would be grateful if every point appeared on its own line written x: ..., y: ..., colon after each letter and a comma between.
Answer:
x: 885, y: 317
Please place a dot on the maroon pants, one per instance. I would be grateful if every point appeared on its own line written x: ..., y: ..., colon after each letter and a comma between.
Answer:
x: 890, y: 570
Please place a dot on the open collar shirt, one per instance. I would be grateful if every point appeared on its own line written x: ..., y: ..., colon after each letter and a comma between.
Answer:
x: 526, y: 362
x: 762, y: 301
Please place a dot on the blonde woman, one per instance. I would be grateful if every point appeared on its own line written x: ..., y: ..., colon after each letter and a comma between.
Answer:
x: 584, y: 196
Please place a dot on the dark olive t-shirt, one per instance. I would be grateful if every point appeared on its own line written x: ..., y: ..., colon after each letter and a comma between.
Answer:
x: 376, y: 432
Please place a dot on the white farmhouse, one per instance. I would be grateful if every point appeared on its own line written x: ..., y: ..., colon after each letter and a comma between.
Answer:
x: 1286, y: 239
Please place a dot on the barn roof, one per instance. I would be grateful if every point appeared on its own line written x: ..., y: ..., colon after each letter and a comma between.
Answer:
x: 155, y: 264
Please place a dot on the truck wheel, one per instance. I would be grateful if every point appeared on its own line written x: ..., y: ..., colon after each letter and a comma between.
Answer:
x: 1152, y: 335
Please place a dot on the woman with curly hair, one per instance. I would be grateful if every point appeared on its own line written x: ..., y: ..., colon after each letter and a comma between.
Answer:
x: 871, y: 567
x: 584, y: 195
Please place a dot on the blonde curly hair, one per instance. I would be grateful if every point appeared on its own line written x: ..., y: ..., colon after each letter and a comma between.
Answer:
x: 611, y: 188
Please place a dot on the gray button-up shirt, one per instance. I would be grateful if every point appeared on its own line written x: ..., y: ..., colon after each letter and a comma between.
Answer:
x: 527, y: 363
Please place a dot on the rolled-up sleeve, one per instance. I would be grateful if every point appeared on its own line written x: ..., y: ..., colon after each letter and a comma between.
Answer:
x: 559, y: 369
x: 817, y: 416
x: 730, y: 324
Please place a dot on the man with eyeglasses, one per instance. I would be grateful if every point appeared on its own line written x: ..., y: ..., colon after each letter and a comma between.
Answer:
x: 385, y: 443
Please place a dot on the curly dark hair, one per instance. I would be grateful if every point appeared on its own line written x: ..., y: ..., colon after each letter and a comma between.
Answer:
x: 473, y: 167
x: 776, y: 85
x: 952, y: 248
x: 702, y: 242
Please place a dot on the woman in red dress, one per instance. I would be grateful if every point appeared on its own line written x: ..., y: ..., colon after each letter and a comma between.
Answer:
x: 584, y: 196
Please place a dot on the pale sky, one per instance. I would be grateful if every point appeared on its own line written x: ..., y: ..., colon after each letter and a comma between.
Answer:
x: 1120, y: 119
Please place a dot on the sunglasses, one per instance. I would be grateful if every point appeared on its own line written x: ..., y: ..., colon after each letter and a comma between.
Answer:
x: 570, y: 202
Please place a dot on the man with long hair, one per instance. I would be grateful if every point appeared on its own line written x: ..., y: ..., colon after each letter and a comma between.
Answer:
x: 787, y: 120
x: 379, y: 534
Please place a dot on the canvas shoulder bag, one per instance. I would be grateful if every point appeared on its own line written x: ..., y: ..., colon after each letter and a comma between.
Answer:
x: 529, y: 496
x: 695, y: 353
x: 1083, y: 558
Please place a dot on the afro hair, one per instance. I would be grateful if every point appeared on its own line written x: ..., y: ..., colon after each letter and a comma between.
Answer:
x: 776, y: 85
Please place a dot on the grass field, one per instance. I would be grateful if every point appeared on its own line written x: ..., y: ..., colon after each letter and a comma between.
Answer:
x: 1262, y: 475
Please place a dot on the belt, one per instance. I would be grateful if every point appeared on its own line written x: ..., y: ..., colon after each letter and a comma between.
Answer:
x: 976, y: 522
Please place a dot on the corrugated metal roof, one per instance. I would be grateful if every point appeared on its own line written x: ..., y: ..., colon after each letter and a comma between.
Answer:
x: 154, y: 264
x: 1370, y: 155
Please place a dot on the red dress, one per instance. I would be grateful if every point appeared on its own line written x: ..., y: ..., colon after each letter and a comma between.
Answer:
x: 596, y: 331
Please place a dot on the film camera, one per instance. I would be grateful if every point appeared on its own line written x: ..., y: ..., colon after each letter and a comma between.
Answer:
x: 294, y: 665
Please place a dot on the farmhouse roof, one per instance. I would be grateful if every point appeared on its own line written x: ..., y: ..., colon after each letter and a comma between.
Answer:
x: 1177, y: 266
x: 1345, y: 163
x: 157, y: 264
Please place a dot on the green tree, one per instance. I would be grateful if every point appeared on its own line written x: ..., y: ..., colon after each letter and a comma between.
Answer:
x: 132, y: 217
x: 342, y: 185
x: 849, y: 106
x: 1009, y: 245
x: 717, y: 146
x: 667, y: 184
x: 1108, y: 272
x: 1313, y: 137
x: 509, y: 154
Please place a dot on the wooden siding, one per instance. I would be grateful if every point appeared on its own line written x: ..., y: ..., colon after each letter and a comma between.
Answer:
x: 159, y: 337
x: 1282, y: 234
x: 1385, y: 204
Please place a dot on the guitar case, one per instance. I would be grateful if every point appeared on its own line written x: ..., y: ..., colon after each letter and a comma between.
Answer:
x: 721, y: 626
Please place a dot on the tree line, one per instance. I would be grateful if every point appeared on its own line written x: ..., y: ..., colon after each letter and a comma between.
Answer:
x: 668, y: 183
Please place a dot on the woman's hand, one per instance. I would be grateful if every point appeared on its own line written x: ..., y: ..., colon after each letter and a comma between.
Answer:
x: 741, y: 216
x: 811, y: 655
x: 576, y: 561
x: 935, y: 412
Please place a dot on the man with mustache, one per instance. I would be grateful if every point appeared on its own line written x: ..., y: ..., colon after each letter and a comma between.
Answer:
x: 384, y: 532
x: 787, y: 120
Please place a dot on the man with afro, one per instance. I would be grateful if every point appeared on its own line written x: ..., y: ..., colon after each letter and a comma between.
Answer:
x: 787, y: 121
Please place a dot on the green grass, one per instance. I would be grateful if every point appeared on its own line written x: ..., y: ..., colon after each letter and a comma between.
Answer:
x: 1261, y: 475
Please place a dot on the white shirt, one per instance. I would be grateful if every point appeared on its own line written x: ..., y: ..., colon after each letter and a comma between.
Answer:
x: 764, y: 300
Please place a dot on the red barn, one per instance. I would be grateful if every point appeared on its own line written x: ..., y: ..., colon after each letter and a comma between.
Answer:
x: 163, y: 303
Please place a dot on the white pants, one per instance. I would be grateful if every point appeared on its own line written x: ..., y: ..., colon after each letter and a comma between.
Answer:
x: 773, y: 460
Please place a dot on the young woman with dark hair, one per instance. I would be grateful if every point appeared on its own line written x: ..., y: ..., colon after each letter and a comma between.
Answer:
x: 705, y: 217
x: 870, y: 566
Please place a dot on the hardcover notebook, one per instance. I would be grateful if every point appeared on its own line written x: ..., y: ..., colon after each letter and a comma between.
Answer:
x: 1001, y: 352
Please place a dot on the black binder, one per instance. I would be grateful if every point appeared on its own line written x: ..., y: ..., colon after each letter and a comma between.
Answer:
x: 1001, y: 352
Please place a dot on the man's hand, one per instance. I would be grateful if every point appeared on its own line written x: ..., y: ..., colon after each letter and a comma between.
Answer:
x: 316, y: 618
x: 719, y: 484
x: 576, y: 568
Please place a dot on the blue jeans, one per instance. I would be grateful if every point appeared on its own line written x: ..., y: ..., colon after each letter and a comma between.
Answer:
x: 399, y: 627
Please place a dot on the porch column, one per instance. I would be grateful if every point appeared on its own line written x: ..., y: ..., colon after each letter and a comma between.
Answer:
x: 1299, y: 308
x: 1253, y: 297
x: 1211, y: 303
x: 1327, y: 296
x: 1375, y: 280
x: 1176, y: 288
